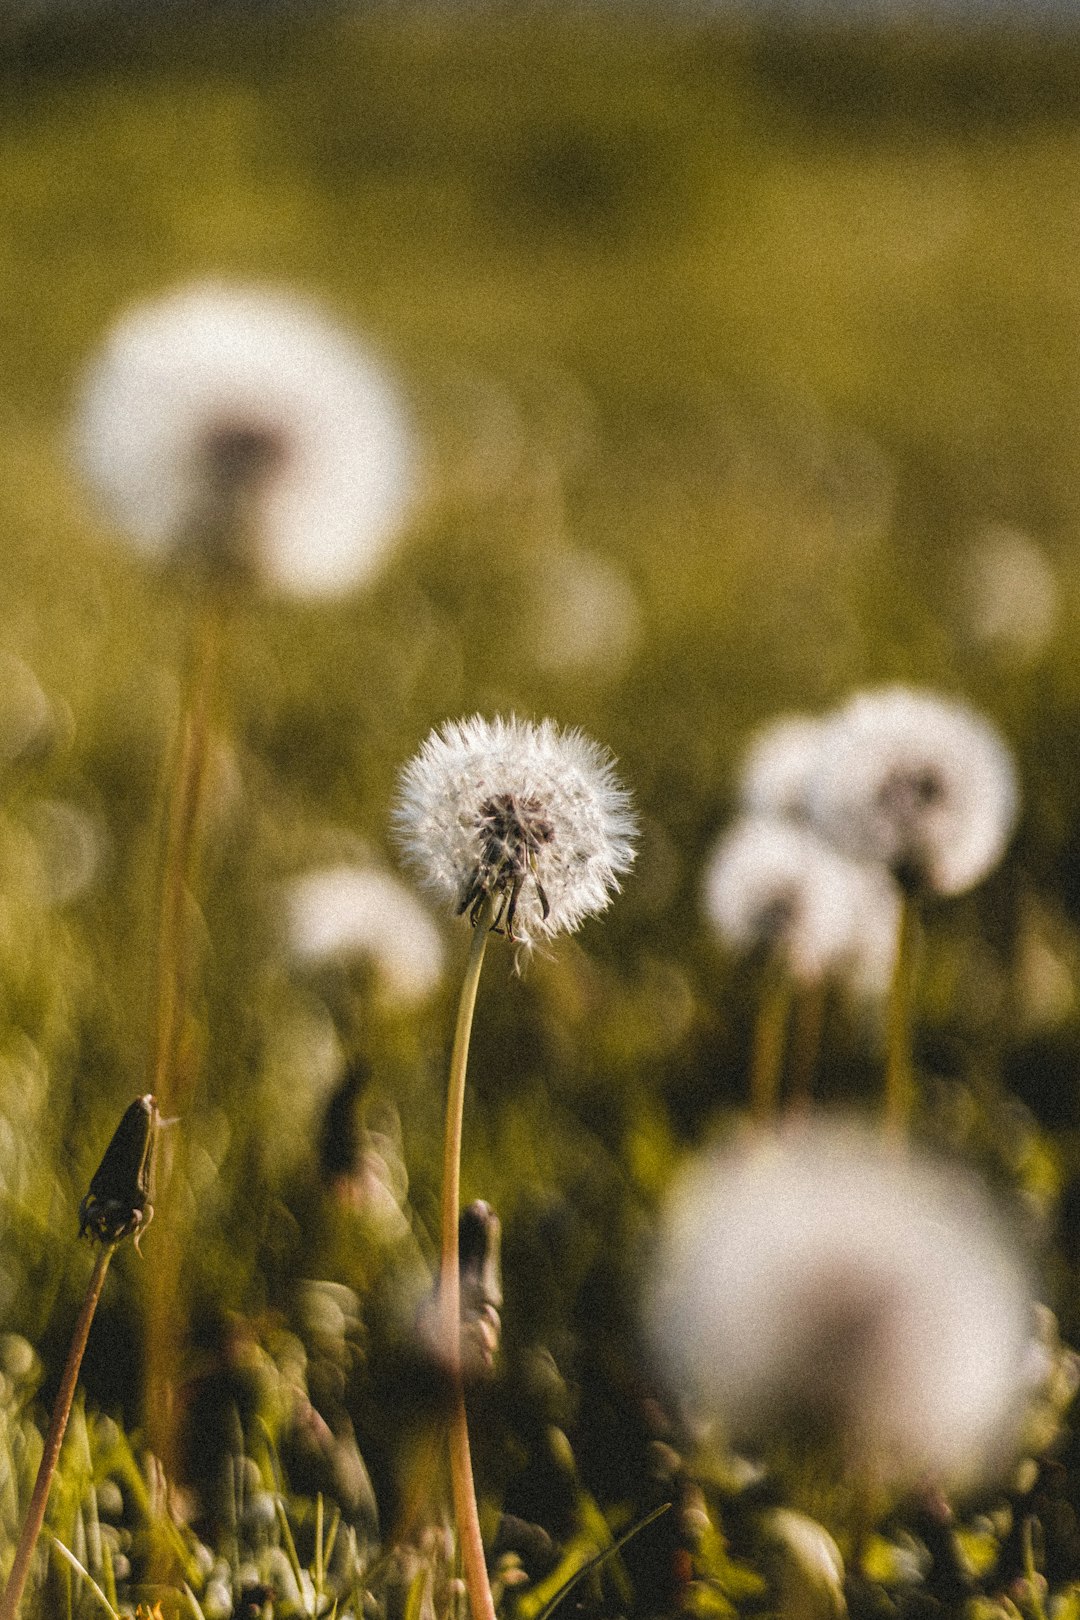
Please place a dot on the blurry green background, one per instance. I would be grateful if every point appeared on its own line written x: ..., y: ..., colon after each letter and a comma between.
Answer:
x: 779, y: 326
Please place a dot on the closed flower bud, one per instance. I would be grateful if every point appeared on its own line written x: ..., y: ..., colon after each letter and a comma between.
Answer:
x: 118, y: 1202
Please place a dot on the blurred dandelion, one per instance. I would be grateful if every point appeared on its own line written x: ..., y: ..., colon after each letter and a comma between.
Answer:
x: 526, y: 829
x: 926, y: 786
x: 345, y: 912
x: 920, y: 782
x: 70, y: 844
x: 820, y: 919
x: 778, y: 885
x: 820, y: 1285
x: 525, y: 816
x: 587, y: 615
x: 1009, y: 593
x: 242, y: 424
x: 779, y: 764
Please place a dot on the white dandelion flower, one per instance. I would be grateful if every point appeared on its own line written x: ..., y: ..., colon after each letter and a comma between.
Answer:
x: 354, y: 911
x: 821, y: 1283
x: 779, y: 765
x: 777, y: 884
x: 527, y: 814
x: 917, y: 781
x: 219, y: 408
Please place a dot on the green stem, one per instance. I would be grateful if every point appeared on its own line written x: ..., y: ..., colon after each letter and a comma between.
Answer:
x: 171, y: 1079
x: 770, y: 1033
x: 899, y: 1075
x: 183, y: 808
x: 461, y: 1474
x: 806, y: 1043
x: 35, y: 1512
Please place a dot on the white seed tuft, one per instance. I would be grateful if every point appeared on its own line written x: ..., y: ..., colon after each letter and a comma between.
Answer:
x: 528, y: 814
x: 819, y: 1282
x: 777, y: 884
x: 919, y: 782
x: 217, y: 403
x: 354, y: 911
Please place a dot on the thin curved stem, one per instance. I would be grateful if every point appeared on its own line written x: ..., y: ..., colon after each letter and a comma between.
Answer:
x: 461, y: 1474
x: 35, y: 1512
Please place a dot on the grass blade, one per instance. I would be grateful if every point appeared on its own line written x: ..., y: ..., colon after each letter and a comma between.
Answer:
x: 73, y: 1562
x: 594, y: 1563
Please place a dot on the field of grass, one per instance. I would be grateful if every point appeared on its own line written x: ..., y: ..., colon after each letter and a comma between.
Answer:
x: 782, y: 330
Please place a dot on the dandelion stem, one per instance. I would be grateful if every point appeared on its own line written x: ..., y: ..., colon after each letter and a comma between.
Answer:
x: 461, y: 1474
x: 806, y: 1043
x: 770, y: 1032
x: 899, y: 1076
x: 35, y: 1512
x: 182, y: 811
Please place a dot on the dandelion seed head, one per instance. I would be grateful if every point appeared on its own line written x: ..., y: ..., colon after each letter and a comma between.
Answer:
x: 920, y: 782
x: 217, y: 402
x: 528, y: 814
x: 820, y: 1279
x: 777, y: 884
x: 779, y: 765
x: 354, y: 911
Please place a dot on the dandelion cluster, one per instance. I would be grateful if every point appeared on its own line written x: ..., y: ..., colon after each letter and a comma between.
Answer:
x: 897, y: 785
x: 527, y: 816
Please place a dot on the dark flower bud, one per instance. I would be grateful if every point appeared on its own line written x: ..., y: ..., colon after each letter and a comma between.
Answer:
x: 480, y: 1243
x: 118, y: 1203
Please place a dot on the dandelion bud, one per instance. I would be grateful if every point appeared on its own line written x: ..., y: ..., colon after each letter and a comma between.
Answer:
x: 118, y: 1202
x: 479, y: 1239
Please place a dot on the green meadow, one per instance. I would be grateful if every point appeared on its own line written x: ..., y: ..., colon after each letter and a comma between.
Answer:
x: 779, y: 328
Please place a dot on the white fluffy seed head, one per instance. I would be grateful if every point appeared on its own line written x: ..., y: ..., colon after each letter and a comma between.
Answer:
x: 215, y: 402
x: 820, y: 1282
x: 919, y: 782
x: 344, y: 912
x: 528, y: 814
x: 779, y: 765
x: 777, y: 884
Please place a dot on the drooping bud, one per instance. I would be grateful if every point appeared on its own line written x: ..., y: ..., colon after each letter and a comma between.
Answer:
x: 118, y: 1202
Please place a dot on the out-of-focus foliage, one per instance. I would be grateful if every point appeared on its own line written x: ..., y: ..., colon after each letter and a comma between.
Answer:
x: 768, y: 342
